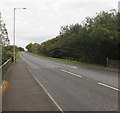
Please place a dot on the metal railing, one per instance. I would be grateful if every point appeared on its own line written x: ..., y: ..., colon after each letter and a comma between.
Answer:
x: 4, y: 68
x: 113, y: 63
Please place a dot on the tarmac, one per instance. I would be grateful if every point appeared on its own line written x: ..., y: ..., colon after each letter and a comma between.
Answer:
x: 21, y: 92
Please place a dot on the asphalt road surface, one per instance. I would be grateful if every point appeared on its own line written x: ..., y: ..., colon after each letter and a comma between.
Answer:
x: 73, y: 87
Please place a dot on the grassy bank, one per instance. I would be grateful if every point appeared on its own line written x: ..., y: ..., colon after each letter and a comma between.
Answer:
x: 78, y: 62
x: 70, y: 61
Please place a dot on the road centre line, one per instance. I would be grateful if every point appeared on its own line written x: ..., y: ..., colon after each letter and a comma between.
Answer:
x: 46, y: 91
x: 105, y: 85
x: 50, y: 65
x: 73, y: 67
x: 108, y: 86
x: 71, y: 73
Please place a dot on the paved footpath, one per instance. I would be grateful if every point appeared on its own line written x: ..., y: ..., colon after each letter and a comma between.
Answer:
x: 21, y: 92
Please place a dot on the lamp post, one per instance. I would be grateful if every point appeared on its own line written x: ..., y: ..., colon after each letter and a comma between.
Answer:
x: 14, y: 58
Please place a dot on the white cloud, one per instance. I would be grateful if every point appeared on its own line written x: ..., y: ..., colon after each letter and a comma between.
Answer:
x: 43, y: 18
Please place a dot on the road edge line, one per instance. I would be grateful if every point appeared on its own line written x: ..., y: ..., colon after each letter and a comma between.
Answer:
x: 46, y: 92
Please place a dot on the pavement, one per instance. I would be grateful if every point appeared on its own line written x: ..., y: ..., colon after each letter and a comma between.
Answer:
x: 21, y: 91
x: 75, y: 87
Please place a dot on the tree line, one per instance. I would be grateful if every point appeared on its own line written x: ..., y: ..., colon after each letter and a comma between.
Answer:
x: 4, y: 41
x: 96, y: 39
x: 6, y: 50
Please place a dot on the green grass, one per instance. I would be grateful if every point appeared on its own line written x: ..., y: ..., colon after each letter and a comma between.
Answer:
x: 70, y: 61
x: 17, y: 55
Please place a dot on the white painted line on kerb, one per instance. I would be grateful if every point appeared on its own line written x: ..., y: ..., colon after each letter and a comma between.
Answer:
x: 46, y: 92
x: 71, y: 73
x: 108, y: 86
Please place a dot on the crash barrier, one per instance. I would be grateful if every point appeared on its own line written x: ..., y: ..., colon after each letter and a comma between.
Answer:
x: 113, y: 63
x: 109, y: 63
x: 4, y: 68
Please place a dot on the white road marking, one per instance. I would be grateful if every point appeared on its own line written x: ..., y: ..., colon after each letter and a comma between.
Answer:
x: 73, y: 67
x: 71, y: 73
x: 108, y: 86
x: 46, y: 92
x: 50, y: 65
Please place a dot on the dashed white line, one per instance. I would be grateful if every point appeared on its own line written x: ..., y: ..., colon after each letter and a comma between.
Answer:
x: 108, y: 86
x: 71, y: 73
x: 50, y: 65
x: 46, y: 92
x: 73, y: 67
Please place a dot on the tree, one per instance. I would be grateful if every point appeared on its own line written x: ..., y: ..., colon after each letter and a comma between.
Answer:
x: 4, y: 41
x: 33, y: 48
x: 20, y: 49
x: 92, y: 41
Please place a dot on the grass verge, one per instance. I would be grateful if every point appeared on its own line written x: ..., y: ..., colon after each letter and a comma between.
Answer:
x: 78, y: 62
x: 70, y: 61
x: 17, y: 55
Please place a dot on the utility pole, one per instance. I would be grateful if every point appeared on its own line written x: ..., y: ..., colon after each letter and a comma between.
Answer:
x: 14, y: 37
x: 14, y: 52
x: 0, y: 40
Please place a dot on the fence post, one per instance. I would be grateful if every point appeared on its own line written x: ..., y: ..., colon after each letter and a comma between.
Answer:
x: 107, y: 61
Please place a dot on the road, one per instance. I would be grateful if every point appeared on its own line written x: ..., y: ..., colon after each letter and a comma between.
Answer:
x: 73, y: 87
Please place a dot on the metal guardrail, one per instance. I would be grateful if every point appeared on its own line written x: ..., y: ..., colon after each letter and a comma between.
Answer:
x: 4, y: 68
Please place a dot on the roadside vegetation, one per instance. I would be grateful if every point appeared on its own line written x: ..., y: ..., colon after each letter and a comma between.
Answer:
x: 17, y: 55
x: 91, y: 42
x: 4, y: 42
x: 6, y: 50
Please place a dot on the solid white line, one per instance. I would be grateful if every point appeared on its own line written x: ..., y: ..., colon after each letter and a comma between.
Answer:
x: 108, y: 86
x: 71, y: 73
x: 46, y: 92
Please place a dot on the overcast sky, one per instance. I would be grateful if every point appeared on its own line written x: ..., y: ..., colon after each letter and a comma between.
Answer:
x: 43, y: 18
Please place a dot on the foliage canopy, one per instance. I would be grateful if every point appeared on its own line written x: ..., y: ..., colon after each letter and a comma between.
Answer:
x: 92, y: 41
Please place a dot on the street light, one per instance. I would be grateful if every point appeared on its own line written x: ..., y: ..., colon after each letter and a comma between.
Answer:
x: 14, y: 59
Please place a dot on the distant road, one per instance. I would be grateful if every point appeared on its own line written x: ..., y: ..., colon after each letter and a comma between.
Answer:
x: 73, y: 87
